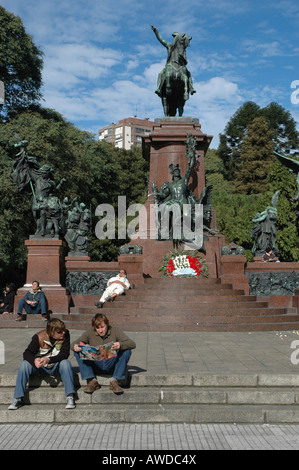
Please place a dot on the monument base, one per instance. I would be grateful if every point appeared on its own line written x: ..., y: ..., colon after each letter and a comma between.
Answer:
x: 165, y: 146
x: 45, y: 264
x: 153, y: 252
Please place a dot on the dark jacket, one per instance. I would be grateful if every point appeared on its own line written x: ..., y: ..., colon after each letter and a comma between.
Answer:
x: 8, y: 301
x: 33, y: 349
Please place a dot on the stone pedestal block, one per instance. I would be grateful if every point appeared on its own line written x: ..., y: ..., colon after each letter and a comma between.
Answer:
x: 45, y: 265
x: 233, y: 272
x: 166, y: 144
x: 133, y: 264
x: 44, y: 262
x: 295, y: 299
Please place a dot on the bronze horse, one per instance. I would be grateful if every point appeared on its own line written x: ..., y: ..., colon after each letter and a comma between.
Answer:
x: 174, y: 81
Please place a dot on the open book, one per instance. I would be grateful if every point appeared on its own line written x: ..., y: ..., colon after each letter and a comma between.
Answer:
x: 97, y: 353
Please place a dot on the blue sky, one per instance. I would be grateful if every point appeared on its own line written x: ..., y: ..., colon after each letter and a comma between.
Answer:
x: 102, y: 59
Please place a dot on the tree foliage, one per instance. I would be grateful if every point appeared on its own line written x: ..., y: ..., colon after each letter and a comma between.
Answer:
x: 243, y: 172
x: 256, y: 154
x: 281, y: 124
x: 280, y: 178
x: 21, y: 63
x: 95, y: 173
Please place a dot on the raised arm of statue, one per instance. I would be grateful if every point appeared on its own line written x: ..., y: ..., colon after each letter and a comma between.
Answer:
x: 190, y: 153
x: 159, y: 37
x: 260, y: 216
x: 191, y: 163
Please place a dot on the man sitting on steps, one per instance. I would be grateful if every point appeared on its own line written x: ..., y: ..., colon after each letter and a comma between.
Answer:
x: 34, y: 301
x: 115, y: 286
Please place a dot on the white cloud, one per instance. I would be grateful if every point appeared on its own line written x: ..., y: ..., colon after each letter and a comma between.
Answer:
x: 80, y: 61
x: 218, y: 89
x: 268, y: 49
x: 214, y: 103
x: 102, y: 60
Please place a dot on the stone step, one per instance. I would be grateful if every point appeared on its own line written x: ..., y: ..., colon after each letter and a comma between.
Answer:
x: 171, y: 300
x: 189, y: 312
x: 143, y: 326
x: 85, y: 313
x: 192, y: 319
x: 163, y: 323
x: 182, y: 281
x: 166, y: 284
x: 232, y: 414
x: 182, y: 306
x: 227, y: 380
x: 153, y: 398
x: 161, y: 395
x: 185, y: 296
x: 160, y: 289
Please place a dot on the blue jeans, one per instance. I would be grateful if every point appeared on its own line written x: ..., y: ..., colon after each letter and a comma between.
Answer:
x: 117, y: 366
x: 64, y: 368
x: 41, y: 307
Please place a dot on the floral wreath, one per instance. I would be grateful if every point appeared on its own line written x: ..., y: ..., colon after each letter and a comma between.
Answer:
x: 185, y: 263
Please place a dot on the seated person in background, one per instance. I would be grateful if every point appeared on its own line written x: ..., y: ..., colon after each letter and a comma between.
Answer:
x: 34, y: 301
x: 8, y: 302
x: 98, y: 334
x: 270, y: 256
x: 116, y: 286
x: 47, y: 353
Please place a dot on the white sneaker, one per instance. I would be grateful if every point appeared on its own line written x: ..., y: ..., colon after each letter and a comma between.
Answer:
x: 16, y: 404
x: 70, y: 402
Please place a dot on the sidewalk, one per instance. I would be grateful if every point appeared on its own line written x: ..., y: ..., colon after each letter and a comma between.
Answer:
x: 194, y: 352
x: 118, y: 440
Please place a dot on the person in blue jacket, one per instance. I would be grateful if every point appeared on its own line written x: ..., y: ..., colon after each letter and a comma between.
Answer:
x: 34, y: 301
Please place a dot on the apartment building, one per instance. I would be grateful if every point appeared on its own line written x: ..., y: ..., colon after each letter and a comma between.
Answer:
x: 127, y: 132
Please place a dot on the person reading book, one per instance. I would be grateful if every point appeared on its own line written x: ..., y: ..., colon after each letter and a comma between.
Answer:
x: 102, y: 333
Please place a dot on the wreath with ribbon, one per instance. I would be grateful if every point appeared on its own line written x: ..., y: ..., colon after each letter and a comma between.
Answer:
x: 185, y: 263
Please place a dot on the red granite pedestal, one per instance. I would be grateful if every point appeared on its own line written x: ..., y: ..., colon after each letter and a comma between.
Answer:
x: 165, y: 145
x: 233, y: 272
x: 46, y: 264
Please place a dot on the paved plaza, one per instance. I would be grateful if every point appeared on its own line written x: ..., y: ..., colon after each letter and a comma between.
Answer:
x: 192, y: 352
x: 168, y: 353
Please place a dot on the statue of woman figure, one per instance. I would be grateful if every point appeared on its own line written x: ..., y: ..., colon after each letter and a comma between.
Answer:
x: 264, y: 233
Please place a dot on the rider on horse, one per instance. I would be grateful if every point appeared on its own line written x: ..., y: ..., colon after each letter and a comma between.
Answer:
x: 176, y: 64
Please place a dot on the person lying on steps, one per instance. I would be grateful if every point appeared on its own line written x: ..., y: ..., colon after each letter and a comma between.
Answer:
x: 116, y: 286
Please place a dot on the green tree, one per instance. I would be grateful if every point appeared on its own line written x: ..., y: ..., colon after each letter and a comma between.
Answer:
x: 234, y: 213
x: 283, y: 126
x: 21, y: 64
x: 280, y: 178
x: 231, y: 139
x: 280, y: 122
x: 256, y: 154
x: 132, y: 175
x: 96, y: 173
x: 214, y: 171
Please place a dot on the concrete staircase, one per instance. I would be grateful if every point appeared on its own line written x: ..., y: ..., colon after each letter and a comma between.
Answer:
x: 157, y: 398
x: 184, y: 304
